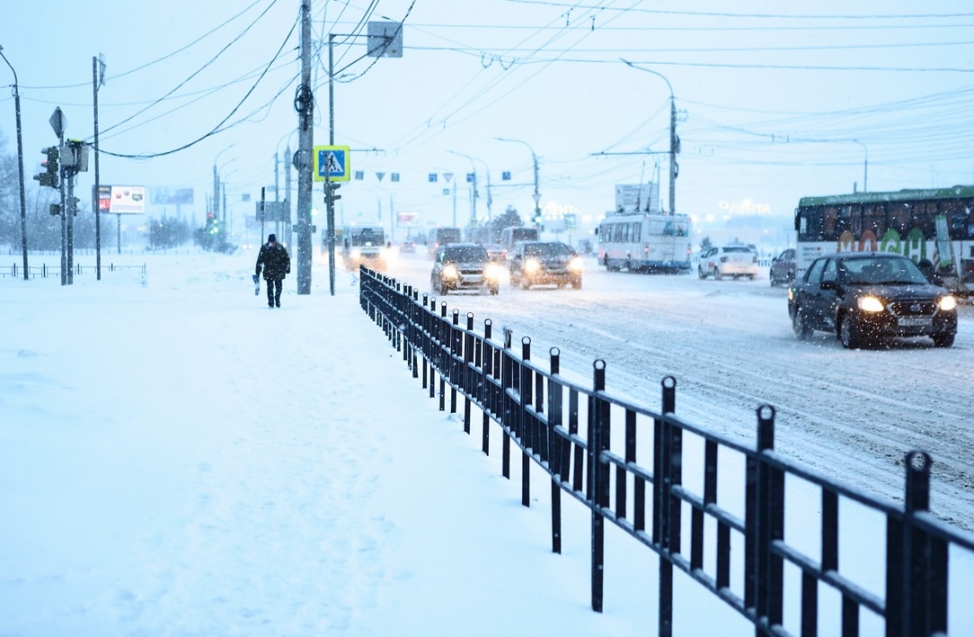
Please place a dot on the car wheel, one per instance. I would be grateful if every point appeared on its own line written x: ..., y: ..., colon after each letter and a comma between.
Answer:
x: 850, y: 334
x: 494, y: 289
x: 771, y: 278
x: 717, y: 276
x: 525, y: 283
x: 750, y: 277
x: 800, y: 325
x: 945, y: 339
x: 577, y: 284
x: 701, y: 273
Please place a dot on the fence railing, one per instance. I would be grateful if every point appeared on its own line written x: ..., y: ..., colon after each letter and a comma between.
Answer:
x: 44, y: 271
x: 636, y: 469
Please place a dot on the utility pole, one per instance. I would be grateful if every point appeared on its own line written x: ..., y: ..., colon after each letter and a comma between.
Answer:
x: 287, y: 191
x: 674, y: 139
x: 97, y: 80
x: 304, y: 105
x: 20, y: 164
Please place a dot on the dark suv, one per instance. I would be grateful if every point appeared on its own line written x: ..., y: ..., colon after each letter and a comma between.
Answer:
x: 863, y: 298
x: 782, y: 268
x: 463, y: 266
x: 545, y: 262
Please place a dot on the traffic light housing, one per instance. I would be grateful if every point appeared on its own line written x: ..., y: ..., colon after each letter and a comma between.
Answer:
x: 330, y: 195
x: 50, y: 177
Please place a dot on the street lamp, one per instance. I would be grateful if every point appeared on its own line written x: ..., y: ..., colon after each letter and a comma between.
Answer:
x: 865, y: 166
x: 20, y: 160
x: 474, y: 195
x: 216, y: 180
x: 674, y: 140
x: 537, y: 195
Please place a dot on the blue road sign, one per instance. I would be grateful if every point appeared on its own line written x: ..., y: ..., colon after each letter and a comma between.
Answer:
x: 332, y: 162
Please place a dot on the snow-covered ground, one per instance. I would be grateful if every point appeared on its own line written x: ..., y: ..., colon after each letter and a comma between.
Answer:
x: 177, y: 459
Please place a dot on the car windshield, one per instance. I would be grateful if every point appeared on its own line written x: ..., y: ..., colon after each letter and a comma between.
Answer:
x: 880, y: 271
x: 465, y: 254
x: 546, y: 250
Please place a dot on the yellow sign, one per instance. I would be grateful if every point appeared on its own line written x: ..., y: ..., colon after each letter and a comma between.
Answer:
x: 332, y: 162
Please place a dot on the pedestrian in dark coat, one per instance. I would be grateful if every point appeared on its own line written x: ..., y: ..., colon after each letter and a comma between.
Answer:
x: 276, y: 264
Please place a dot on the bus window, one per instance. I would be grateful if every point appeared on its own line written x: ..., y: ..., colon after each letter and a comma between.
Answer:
x: 635, y: 232
x: 899, y: 217
x: 812, y: 228
x: 830, y: 215
x: 924, y: 218
x: 874, y: 218
x: 617, y: 232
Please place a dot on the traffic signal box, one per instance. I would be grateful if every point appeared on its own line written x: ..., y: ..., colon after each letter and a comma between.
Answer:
x: 50, y: 177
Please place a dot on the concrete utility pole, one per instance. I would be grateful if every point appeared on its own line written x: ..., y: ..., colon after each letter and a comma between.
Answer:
x: 674, y: 139
x: 20, y: 164
x: 304, y: 105
x: 97, y: 80
x: 287, y: 190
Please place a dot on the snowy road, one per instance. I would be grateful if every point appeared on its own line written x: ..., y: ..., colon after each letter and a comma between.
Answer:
x: 850, y: 414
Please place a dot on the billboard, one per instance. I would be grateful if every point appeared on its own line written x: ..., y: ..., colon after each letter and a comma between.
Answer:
x: 119, y: 200
x: 273, y: 211
x: 166, y: 196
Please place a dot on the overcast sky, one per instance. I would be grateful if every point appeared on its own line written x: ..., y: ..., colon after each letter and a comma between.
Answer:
x: 769, y: 97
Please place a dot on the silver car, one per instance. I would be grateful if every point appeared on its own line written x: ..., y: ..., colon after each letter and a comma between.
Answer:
x: 463, y: 266
x: 736, y: 260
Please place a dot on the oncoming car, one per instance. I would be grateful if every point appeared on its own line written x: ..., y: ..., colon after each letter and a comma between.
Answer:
x: 863, y: 298
x: 730, y: 260
x: 464, y: 266
x: 545, y: 263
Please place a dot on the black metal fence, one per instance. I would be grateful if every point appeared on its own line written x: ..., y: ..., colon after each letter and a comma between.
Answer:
x: 44, y: 271
x: 587, y: 441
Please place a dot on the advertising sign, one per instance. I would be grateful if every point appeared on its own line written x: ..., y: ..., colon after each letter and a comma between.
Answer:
x: 166, y: 196
x: 127, y: 200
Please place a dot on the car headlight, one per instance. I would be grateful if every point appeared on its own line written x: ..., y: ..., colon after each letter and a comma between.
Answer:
x: 493, y: 271
x: 356, y: 253
x: 948, y: 303
x: 532, y: 265
x: 450, y: 272
x: 869, y: 304
x: 575, y: 265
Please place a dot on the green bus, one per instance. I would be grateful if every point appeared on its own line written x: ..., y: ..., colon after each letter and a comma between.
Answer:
x: 936, y: 225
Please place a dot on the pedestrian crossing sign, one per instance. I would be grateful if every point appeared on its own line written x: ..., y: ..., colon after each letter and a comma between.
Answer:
x: 331, y: 162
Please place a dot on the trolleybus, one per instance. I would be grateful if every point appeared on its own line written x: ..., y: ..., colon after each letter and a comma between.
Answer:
x: 643, y: 242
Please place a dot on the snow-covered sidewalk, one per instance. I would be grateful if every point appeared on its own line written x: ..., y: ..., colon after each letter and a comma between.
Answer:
x: 177, y: 459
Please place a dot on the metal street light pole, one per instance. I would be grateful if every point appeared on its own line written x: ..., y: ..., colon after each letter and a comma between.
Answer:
x: 20, y: 160
x: 475, y: 194
x: 674, y: 140
x: 865, y: 166
x: 537, y: 195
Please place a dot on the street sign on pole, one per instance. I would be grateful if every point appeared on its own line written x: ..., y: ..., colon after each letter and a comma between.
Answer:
x: 58, y: 122
x: 331, y: 163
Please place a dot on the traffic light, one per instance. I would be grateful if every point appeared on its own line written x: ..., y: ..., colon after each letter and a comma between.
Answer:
x: 55, y: 208
x: 330, y: 195
x: 49, y: 178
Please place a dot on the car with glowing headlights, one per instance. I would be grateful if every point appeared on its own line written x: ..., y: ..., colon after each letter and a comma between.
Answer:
x: 867, y: 298
x: 544, y: 263
x: 464, y: 266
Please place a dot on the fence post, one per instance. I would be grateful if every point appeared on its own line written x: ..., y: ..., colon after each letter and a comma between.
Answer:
x: 524, y: 430
x: 554, y: 448
x: 467, y: 373
x: 667, y: 473
x: 455, y: 345
x: 507, y: 373
x: 441, y: 344
x: 598, y: 441
x: 764, y: 524
x: 488, y: 369
x: 916, y: 563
